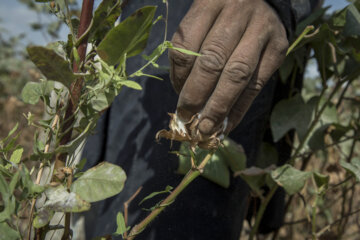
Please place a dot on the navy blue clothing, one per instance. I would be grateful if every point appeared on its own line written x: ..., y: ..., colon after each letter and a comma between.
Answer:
x: 125, y: 136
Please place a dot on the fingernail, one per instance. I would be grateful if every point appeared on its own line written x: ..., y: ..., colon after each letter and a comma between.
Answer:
x: 206, y: 126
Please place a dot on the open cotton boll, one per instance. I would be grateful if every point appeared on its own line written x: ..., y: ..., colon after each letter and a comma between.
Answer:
x: 189, y: 132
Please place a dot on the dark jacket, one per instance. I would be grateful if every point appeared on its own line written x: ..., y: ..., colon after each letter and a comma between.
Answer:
x: 125, y: 136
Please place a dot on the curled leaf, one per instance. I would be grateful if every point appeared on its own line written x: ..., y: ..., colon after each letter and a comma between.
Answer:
x: 60, y: 200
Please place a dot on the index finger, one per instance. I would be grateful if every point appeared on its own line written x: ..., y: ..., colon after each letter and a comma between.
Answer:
x: 190, y: 34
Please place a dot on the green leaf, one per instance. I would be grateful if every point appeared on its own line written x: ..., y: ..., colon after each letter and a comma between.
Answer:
x: 290, y: 114
x: 13, y: 182
x: 291, y: 179
x: 255, y: 177
x: 7, y: 199
x: 151, y: 195
x: 12, y: 131
x: 28, y: 183
x: 233, y: 154
x: 230, y: 155
x: 328, y: 117
x: 287, y: 68
x: 16, y: 156
x: 32, y: 91
x: 353, y: 167
x: 157, y: 52
x: 8, y: 233
x: 9, y: 208
x: 267, y: 156
x: 133, y: 32
x: 53, y: 66
x: 60, y: 200
x: 317, y: 139
x: 321, y: 180
x: 216, y: 170
x: 131, y: 84
x: 339, y: 132
x: 310, y: 20
x: 352, y: 25
x: 4, y: 187
x: 104, y: 19
x: 75, y: 24
x: 102, y: 100
x: 339, y: 19
x: 58, y: 47
x: 182, y: 50
x: 75, y: 143
x: 188, y: 52
x: 120, y: 222
x: 100, y: 182
x: 43, y: 217
x: 81, y: 164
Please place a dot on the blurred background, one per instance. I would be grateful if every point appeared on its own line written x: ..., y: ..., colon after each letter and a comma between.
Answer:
x: 24, y: 22
x: 19, y: 17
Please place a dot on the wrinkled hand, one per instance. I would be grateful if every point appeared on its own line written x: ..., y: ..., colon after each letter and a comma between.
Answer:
x: 242, y: 43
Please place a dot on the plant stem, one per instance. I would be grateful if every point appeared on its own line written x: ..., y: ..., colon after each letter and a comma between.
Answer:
x: 324, y: 229
x: 39, y: 174
x: 297, y: 151
x: 66, y: 234
x: 314, y: 213
x: 261, y: 211
x: 75, y: 88
x: 189, y: 177
x: 298, y: 40
x: 126, y: 206
x: 315, y: 121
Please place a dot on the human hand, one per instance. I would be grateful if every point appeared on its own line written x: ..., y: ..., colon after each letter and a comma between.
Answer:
x: 242, y: 42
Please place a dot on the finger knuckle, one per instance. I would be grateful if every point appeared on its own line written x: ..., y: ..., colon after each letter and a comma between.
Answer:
x: 238, y: 71
x: 213, y: 58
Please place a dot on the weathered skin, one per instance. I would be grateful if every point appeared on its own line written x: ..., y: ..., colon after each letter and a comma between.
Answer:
x: 242, y: 42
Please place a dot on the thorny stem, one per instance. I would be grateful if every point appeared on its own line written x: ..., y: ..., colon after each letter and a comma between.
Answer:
x: 189, y: 177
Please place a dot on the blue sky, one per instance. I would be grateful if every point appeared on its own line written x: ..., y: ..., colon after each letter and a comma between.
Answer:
x: 16, y: 18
